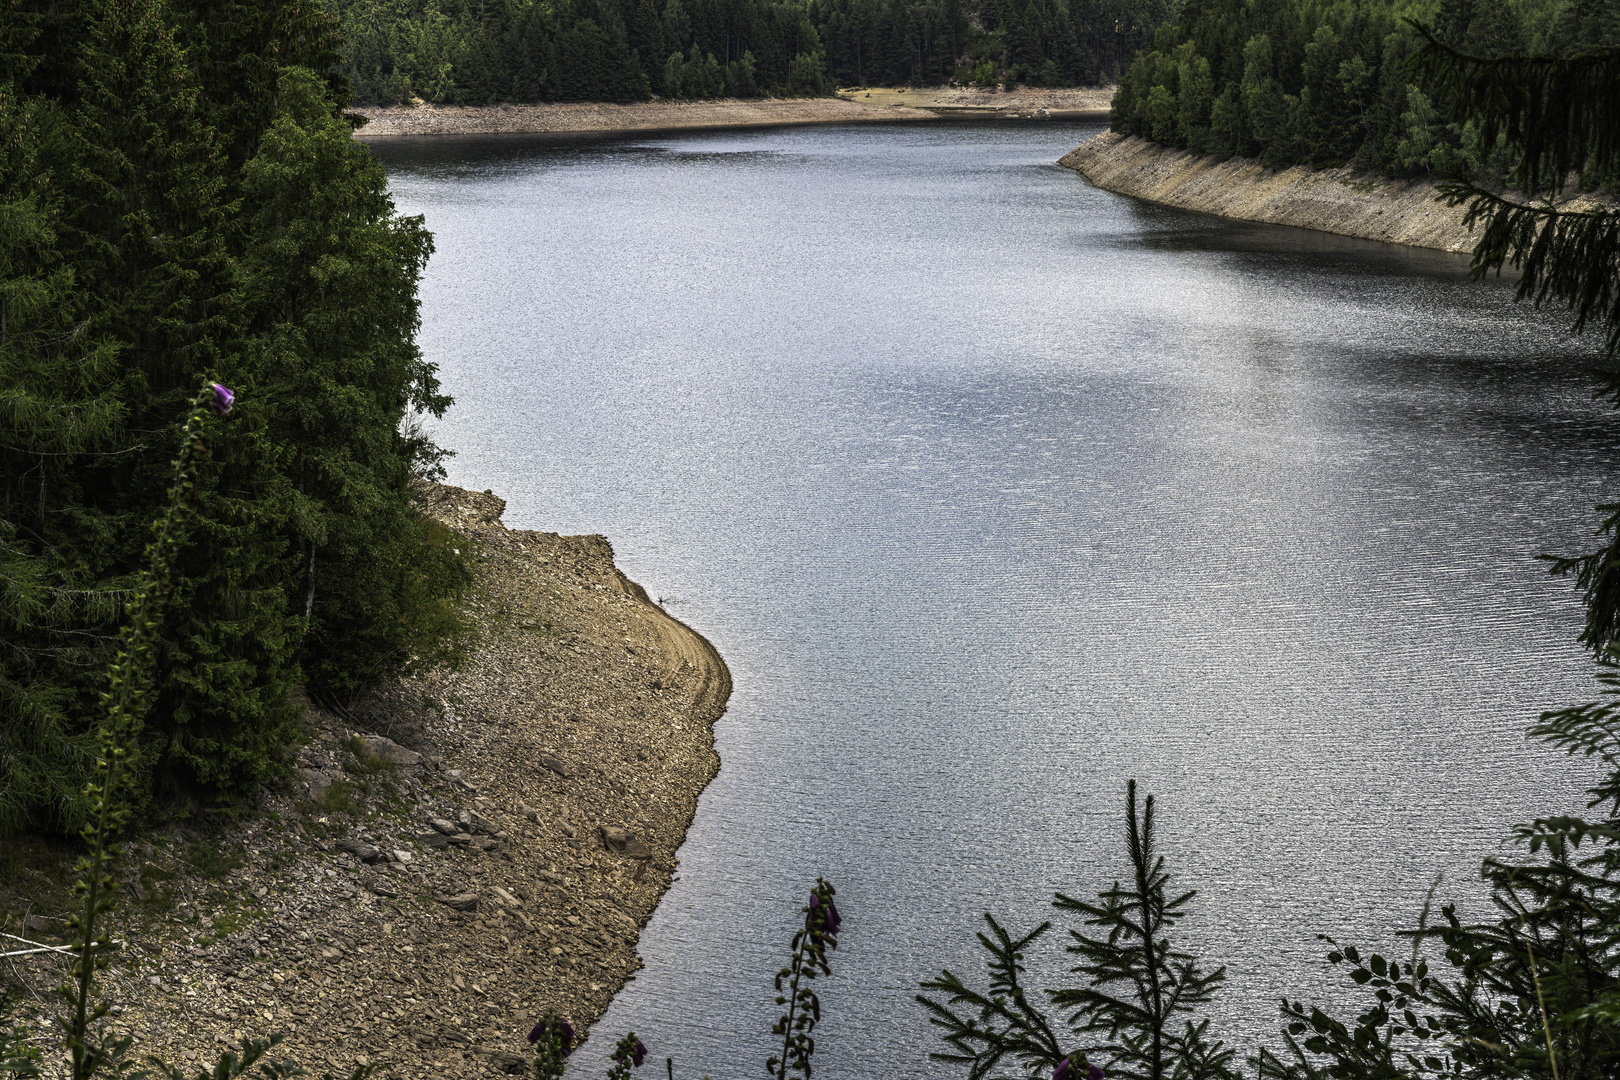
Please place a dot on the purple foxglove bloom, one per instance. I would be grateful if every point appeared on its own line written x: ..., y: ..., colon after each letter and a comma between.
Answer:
x: 1063, y: 1071
x: 223, y: 399
x: 1093, y: 1073
x: 565, y: 1032
x: 834, y: 920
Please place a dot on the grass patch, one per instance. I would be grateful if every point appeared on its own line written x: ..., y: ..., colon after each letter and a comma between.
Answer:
x: 364, y: 760
x: 211, y: 860
x: 338, y: 798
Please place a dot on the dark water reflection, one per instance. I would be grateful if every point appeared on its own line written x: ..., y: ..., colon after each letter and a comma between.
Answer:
x: 996, y: 490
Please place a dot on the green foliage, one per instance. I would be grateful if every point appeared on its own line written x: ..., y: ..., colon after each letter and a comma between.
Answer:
x: 1325, y: 84
x: 179, y: 195
x: 1553, y: 118
x: 1136, y: 1010
x: 1530, y: 992
x: 456, y: 51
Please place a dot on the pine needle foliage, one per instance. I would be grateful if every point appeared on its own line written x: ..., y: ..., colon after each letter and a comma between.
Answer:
x: 1555, y: 118
x: 1135, y: 1012
x: 179, y: 194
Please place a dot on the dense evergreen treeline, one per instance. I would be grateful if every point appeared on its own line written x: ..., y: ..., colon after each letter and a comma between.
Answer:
x: 480, y: 51
x: 1328, y: 83
x: 180, y: 199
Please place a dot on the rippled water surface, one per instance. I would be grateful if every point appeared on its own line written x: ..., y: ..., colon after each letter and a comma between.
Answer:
x: 995, y: 490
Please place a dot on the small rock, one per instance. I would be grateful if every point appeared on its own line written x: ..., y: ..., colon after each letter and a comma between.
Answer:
x: 478, y: 823
x: 556, y: 765
x: 433, y: 840
x: 483, y: 843
x: 41, y: 925
x: 330, y: 953
x: 393, y: 753
x: 461, y: 838
x: 505, y: 897
x: 459, y: 901
x: 366, y: 853
x: 402, y: 856
x: 444, y: 825
x: 382, y: 888
x: 533, y: 815
x: 622, y: 842
x: 551, y: 876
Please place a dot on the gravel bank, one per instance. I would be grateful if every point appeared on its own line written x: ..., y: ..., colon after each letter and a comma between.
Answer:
x: 867, y: 105
x: 600, y: 120
x: 1339, y: 201
x: 464, y: 853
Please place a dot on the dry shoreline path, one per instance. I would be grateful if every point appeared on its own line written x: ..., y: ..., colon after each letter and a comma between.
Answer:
x: 862, y: 106
x: 465, y: 853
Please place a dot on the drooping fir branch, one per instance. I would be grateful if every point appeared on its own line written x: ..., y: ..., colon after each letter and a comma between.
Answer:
x: 129, y: 682
x: 810, y: 945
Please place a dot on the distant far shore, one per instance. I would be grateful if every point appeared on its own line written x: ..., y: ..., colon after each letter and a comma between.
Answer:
x: 865, y: 105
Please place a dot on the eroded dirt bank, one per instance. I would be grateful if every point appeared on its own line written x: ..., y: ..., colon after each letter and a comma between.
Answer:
x: 462, y: 854
x: 1339, y: 201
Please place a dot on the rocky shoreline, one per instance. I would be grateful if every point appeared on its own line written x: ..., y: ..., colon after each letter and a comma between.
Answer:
x: 1341, y: 201
x: 863, y: 106
x: 591, y: 120
x: 466, y: 852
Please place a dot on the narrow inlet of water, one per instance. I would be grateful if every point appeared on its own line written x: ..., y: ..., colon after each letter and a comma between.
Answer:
x: 996, y: 490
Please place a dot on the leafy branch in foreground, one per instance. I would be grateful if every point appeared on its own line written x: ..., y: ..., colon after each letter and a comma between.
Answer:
x: 1137, y: 987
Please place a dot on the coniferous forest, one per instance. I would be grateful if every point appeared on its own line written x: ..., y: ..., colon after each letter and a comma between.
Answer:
x: 476, y: 53
x: 182, y: 200
x: 1300, y: 82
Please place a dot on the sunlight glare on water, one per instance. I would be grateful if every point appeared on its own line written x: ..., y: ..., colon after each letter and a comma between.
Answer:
x: 995, y: 490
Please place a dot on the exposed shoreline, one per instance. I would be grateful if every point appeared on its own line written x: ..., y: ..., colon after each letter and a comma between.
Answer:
x: 1341, y: 201
x: 470, y: 850
x: 596, y: 121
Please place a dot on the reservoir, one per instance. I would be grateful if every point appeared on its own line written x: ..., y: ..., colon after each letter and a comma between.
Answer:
x: 996, y: 490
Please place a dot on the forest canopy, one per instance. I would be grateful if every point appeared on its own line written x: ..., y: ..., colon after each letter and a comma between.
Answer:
x: 1329, y: 84
x: 181, y: 200
x: 475, y: 52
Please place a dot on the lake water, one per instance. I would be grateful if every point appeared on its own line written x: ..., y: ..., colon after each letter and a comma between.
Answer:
x: 996, y: 490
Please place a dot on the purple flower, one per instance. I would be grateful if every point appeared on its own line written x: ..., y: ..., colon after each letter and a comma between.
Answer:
x: 223, y: 399
x: 564, y: 1032
x: 637, y: 1055
x: 1065, y: 1071
x: 830, y: 919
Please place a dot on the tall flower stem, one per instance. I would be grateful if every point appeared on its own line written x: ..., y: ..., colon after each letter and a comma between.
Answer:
x: 810, y: 945
x: 125, y: 699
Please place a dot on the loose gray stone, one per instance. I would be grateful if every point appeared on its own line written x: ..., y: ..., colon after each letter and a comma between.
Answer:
x: 444, y: 825
x: 459, y: 901
x: 556, y: 765
x: 622, y: 842
x: 433, y: 840
x: 366, y: 853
